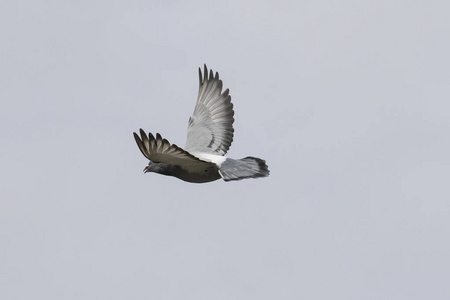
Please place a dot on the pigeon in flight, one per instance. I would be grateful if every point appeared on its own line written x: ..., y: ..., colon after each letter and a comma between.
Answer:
x: 210, y: 133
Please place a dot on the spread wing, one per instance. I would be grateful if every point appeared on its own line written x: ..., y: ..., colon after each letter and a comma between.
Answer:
x: 159, y: 150
x: 210, y: 128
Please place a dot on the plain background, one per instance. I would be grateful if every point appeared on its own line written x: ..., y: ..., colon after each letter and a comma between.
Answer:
x: 348, y: 101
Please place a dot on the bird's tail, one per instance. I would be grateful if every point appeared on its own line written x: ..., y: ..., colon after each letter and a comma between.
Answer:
x: 249, y: 167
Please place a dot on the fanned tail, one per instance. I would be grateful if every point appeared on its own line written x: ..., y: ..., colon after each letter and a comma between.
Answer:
x: 249, y: 167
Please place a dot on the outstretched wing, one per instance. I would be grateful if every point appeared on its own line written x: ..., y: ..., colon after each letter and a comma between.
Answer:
x: 159, y: 150
x: 210, y: 128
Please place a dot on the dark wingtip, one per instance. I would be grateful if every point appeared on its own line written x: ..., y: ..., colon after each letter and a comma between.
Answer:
x: 136, y: 138
x: 140, y: 143
x: 142, y: 132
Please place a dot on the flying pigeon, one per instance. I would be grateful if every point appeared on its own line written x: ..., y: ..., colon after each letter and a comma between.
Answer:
x: 210, y: 134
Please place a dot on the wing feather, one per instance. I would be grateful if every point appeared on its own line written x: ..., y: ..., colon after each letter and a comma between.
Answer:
x: 210, y: 128
x: 159, y: 150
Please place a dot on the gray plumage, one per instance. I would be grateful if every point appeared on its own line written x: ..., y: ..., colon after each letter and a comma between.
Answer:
x: 249, y: 167
x: 210, y: 128
x: 210, y: 134
x: 171, y: 160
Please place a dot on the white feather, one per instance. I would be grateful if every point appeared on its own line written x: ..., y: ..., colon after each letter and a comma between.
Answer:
x: 217, y: 159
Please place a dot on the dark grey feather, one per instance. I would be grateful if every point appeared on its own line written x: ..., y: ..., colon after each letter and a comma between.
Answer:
x: 249, y: 167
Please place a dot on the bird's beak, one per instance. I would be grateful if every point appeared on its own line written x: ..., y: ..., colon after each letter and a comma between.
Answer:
x: 146, y: 169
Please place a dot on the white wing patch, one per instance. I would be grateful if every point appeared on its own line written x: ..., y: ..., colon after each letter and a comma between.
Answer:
x: 214, y: 158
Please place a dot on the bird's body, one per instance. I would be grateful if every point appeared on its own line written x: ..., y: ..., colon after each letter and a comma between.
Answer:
x: 208, y: 174
x: 210, y: 133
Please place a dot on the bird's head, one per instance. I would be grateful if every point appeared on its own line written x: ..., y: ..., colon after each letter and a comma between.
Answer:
x: 160, y: 168
x: 151, y: 167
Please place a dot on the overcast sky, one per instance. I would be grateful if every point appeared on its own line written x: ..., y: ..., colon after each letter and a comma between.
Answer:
x: 347, y: 101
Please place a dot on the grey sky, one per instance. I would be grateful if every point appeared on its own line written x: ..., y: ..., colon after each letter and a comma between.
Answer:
x: 347, y: 101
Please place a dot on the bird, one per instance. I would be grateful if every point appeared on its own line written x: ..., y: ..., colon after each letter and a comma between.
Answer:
x: 209, y: 137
